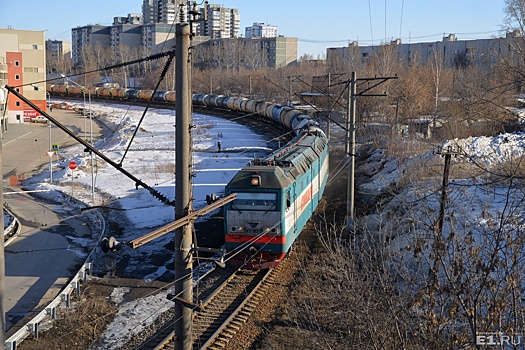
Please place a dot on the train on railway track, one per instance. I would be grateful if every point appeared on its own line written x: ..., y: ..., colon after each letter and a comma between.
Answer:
x: 276, y: 195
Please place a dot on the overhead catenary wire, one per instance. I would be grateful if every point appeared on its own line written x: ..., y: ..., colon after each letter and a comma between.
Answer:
x: 370, y: 18
x: 401, y: 20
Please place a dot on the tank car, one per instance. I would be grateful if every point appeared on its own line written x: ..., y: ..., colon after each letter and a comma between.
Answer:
x: 276, y: 196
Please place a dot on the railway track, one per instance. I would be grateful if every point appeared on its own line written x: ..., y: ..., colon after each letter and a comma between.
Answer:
x: 225, y: 311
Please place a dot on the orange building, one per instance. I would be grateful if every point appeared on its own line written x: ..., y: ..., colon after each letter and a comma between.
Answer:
x: 22, y: 66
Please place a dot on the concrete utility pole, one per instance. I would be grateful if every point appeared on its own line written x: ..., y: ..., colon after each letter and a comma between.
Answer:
x: 350, y: 138
x: 2, y: 261
x: 183, y: 205
x: 329, y: 119
x: 350, y: 152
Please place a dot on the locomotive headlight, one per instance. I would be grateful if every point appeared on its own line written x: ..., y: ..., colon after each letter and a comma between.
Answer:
x: 256, y: 180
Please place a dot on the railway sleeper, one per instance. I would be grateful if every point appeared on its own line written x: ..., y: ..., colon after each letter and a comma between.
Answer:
x: 223, y: 339
x: 220, y: 343
x: 241, y: 318
x: 215, y: 313
x: 230, y: 332
x: 235, y: 326
x: 216, y: 308
x: 246, y: 312
x: 216, y: 347
x: 227, y: 335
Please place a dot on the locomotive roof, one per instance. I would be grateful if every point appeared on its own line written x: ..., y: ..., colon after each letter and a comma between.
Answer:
x: 271, y: 177
x: 282, y: 167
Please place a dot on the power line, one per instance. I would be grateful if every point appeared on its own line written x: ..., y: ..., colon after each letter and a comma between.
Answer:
x: 401, y: 20
x: 371, y: 41
x: 370, y: 17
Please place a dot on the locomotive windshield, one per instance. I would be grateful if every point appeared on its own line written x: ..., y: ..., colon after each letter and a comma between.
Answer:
x: 255, y: 201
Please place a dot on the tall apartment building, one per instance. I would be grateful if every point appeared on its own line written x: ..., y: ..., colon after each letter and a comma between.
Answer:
x: 124, y: 31
x: 155, y: 36
x: 22, y: 61
x: 57, y: 49
x: 89, y: 35
x: 161, y: 11
x: 261, y: 30
x: 129, y: 35
x: 222, y: 22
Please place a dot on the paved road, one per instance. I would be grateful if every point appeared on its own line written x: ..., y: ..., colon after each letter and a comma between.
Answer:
x: 43, y: 257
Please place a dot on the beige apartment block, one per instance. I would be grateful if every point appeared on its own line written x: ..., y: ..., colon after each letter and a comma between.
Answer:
x: 22, y: 65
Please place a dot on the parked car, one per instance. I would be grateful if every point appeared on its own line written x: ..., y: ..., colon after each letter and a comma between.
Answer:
x: 39, y: 119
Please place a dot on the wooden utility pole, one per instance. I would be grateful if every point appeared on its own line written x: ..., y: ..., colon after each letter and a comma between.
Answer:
x: 183, y: 205
x: 439, y: 242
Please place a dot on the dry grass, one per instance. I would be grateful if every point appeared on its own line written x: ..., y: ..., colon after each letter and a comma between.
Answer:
x: 78, y: 327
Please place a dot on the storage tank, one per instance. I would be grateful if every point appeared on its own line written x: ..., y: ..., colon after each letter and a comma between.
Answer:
x: 260, y: 108
x: 132, y: 94
x: 250, y: 106
x: 119, y: 92
x: 145, y: 94
x: 60, y: 89
x: 159, y: 96
x: 230, y: 102
x: 104, y: 92
x: 75, y: 90
x: 276, y: 112
x: 170, y: 96
x: 269, y: 109
x: 207, y: 100
x: 93, y: 91
x: 288, y: 115
x: 237, y: 103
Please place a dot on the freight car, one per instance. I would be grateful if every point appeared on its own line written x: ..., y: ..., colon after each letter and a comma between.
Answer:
x: 276, y: 195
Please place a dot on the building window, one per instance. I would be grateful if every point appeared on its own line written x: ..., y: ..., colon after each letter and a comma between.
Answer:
x: 17, y: 63
x: 17, y: 76
x: 35, y: 47
x: 17, y: 89
x: 17, y: 103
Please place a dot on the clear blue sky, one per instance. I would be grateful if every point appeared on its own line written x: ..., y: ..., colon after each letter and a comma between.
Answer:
x: 317, y: 24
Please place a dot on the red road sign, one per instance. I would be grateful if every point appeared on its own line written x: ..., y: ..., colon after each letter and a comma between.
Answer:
x: 72, y: 165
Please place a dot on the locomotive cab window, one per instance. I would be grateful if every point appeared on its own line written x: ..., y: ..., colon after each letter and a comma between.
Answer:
x: 255, y: 201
